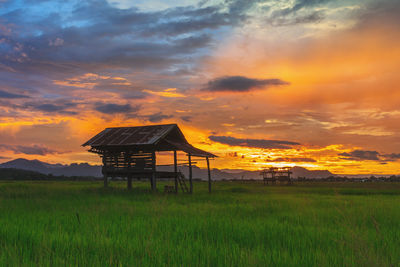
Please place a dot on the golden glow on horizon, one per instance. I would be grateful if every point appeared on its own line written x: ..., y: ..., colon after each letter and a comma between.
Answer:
x: 230, y: 157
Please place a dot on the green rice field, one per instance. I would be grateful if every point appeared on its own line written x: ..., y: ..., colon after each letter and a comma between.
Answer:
x: 239, y: 224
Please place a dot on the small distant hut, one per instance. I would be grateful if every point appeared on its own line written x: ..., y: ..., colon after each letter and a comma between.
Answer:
x: 275, y: 174
x: 131, y: 152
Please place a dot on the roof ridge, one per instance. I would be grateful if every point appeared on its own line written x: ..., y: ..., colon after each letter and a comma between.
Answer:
x: 168, y: 124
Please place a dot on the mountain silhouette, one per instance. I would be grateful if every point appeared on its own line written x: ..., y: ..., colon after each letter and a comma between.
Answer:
x: 85, y: 169
x: 74, y: 169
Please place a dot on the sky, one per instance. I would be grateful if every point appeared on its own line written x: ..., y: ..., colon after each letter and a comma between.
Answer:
x: 311, y: 83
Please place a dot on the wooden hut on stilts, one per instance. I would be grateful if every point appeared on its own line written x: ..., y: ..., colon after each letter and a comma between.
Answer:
x: 275, y: 174
x: 131, y: 152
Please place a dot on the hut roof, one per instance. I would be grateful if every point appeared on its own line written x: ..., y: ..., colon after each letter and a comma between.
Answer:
x: 166, y: 137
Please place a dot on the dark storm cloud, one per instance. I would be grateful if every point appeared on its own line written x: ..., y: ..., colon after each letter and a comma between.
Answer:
x: 207, y: 18
x: 49, y: 108
x: 210, y: 21
x: 361, y: 155
x: 111, y: 108
x: 194, y: 42
x: 157, y: 117
x: 134, y: 95
x: 301, y: 12
x: 256, y: 143
x: 314, y: 17
x: 298, y: 5
x: 391, y: 157
x: 370, y: 155
x: 57, y: 107
x: 240, y: 84
x: 187, y: 118
x: 4, y: 94
x: 29, y: 150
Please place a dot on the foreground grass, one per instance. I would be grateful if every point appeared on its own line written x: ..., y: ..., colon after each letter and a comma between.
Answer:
x: 82, y: 224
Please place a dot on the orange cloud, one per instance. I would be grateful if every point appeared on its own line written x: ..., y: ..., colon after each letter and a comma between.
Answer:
x: 169, y: 92
x: 90, y: 80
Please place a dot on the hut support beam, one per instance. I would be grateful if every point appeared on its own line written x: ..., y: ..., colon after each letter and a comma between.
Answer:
x: 105, y: 180
x: 129, y: 182
x: 190, y: 174
x: 153, y: 174
x: 104, y: 171
x: 209, y: 174
x: 176, y: 172
x: 129, y: 177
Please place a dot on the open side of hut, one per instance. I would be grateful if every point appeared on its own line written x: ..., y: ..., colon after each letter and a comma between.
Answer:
x: 131, y: 152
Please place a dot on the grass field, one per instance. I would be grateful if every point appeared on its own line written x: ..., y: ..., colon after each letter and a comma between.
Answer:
x: 82, y: 224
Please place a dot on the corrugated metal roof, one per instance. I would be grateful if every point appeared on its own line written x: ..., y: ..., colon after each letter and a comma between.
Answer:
x: 188, y: 148
x: 122, y: 136
x: 146, y: 135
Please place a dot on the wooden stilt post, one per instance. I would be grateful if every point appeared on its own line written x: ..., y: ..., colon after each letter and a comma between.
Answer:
x: 104, y: 171
x: 176, y: 172
x: 190, y: 174
x: 129, y: 182
x: 153, y: 175
x: 209, y: 174
x: 105, y: 180
x: 129, y: 177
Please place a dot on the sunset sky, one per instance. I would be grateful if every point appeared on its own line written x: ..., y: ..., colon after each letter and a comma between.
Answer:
x: 311, y: 83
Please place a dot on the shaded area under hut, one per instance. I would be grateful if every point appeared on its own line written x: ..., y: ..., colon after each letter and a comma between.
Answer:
x: 131, y: 152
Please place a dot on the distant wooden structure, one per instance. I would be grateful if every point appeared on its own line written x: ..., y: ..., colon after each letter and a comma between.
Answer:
x: 131, y: 152
x: 275, y: 174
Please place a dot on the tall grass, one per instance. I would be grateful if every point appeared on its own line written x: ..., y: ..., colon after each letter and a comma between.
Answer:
x: 82, y: 224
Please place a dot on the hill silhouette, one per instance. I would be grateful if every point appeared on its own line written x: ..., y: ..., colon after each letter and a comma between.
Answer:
x: 85, y: 169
